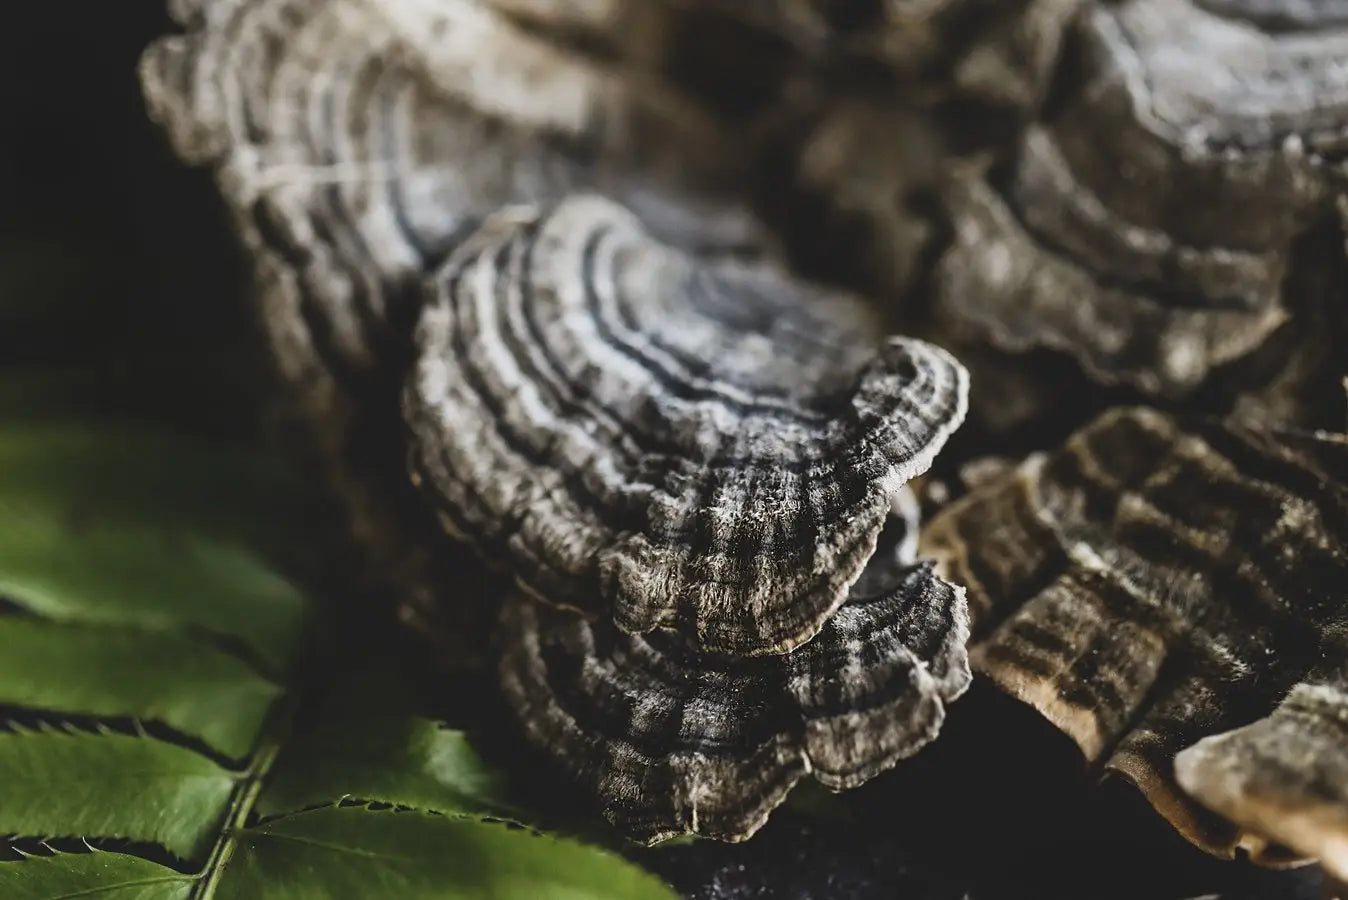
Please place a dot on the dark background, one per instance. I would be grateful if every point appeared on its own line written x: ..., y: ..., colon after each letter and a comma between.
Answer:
x: 116, y: 264
x: 111, y: 256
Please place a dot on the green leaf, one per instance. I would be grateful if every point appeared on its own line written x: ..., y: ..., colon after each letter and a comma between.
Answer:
x: 146, y: 567
x: 410, y: 762
x: 366, y: 743
x: 193, y: 688
x: 58, y: 784
x: 105, y: 876
x: 226, y: 492
x: 119, y: 573
x: 105, y: 529
x: 358, y: 852
x: 157, y: 476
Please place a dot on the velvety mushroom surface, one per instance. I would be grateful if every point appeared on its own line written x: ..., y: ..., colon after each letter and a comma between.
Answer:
x: 1145, y: 222
x: 531, y: 273
x: 678, y: 741
x: 1159, y: 581
x: 661, y: 440
x: 356, y: 143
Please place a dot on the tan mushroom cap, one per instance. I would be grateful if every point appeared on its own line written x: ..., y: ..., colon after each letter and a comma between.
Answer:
x: 1154, y: 585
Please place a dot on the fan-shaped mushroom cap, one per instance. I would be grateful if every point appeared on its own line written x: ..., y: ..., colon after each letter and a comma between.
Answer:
x: 663, y: 439
x: 1157, y: 581
x: 1284, y: 777
x: 672, y: 741
x: 357, y: 142
x: 1145, y: 225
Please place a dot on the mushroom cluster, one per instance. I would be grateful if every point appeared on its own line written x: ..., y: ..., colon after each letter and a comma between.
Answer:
x: 1156, y: 583
x: 608, y: 292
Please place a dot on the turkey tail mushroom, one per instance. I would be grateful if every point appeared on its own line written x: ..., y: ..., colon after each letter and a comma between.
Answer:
x: 359, y: 141
x: 675, y: 741
x: 1158, y: 581
x: 668, y: 441
x: 356, y: 143
x: 1284, y: 777
x: 1145, y: 223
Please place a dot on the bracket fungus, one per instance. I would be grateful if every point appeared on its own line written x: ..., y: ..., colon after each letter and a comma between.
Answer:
x: 614, y: 391
x: 1158, y: 253
x: 665, y: 440
x: 1157, y: 584
x: 524, y: 291
x: 356, y: 143
x: 677, y: 741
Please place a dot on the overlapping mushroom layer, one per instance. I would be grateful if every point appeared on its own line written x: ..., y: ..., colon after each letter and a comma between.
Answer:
x: 1160, y: 580
x: 356, y: 143
x: 665, y: 441
x: 504, y: 241
x: 544, y: 252
x: 699, y: 455
x: 677, y: 741
x: 1146, y: 221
